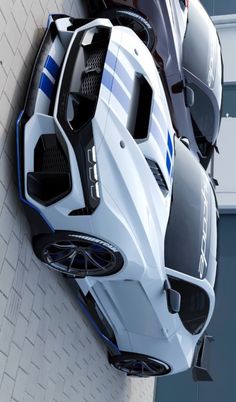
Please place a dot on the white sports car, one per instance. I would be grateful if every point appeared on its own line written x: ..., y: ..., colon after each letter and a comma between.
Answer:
x: 114, y: 198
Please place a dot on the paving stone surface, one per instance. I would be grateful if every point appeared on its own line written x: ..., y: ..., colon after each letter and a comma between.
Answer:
x: 48, y: 350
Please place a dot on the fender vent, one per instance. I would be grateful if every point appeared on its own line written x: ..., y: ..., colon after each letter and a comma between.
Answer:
x: 139, y: 116
x: 157, y: 173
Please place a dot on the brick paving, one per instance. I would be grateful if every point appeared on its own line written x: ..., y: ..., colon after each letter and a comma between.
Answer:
x: 48, y: 350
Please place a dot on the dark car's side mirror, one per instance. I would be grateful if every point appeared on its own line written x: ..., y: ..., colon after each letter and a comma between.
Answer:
x: 188, y: 92
x: 188, y: 96
x: 185, y: 141
x: 173, y: 298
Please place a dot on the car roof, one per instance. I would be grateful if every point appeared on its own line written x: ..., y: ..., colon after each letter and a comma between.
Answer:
x: 204, y: 61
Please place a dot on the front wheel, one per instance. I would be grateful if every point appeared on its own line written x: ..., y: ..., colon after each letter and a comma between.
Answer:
x: 133, y: 20
x: 77, y: 254
x: 139, y: 365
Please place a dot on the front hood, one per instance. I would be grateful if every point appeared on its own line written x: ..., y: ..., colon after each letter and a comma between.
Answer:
x: 126, y: 180
x: 193, y: 249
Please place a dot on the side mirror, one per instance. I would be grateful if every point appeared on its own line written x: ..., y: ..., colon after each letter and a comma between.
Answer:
x: 173, y: 298
x: 188, y: 96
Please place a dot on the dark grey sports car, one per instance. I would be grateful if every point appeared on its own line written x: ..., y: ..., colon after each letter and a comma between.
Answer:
x: 187, y: 51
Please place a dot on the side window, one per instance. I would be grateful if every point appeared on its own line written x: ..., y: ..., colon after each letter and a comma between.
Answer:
x: 229, y: 100
x: 219, y: 7
x: 194, y: 304
x: 202, y: 113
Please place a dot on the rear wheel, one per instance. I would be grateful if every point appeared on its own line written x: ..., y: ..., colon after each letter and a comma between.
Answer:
x: 139, y: 365
x: 77, y: 254
x: 132, y: 20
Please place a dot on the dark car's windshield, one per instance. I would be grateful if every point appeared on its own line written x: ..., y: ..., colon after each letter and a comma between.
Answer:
x: 202, y: 59
x: 191, y: 235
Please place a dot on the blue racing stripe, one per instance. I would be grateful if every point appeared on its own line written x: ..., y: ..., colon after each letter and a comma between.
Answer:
x: 52, y: 67
x: 170, y: 145
x: 114, y: 87
x: 120, y: 95
x: 89, y: 316
x: 46, y: 85
x: 119, y: 69
x: 159, y: 116
x: 111, y: 60
x: 107, y: 79
x: 155, y: 130
x: 168, y: 163
x: 124, y: 77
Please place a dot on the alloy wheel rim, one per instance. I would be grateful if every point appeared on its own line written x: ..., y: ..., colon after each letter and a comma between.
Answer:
x: 142, y: 368
x: 80, y: 258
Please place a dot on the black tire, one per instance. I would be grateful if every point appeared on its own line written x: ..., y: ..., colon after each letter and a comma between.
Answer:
x: 138, y: 365
x: 134, y: 21
x: 77, y: 254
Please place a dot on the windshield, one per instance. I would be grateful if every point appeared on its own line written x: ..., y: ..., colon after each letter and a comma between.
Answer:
x: 203, y: 71
x: 191, y: 235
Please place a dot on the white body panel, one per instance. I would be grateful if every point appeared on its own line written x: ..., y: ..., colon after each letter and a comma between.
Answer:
x: 133, y: 212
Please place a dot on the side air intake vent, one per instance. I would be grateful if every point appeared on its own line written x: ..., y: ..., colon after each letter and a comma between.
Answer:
x: 157, y: 173
x: 139, y: 115
x: 51, y: 180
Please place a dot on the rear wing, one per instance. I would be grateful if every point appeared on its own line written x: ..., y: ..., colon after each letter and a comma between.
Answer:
x: 200, y: 369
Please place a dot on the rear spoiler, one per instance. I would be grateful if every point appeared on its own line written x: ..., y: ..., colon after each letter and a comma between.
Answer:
x: 200, y: 370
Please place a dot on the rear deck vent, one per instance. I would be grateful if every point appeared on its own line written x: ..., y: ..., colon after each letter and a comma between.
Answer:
x: 82, y: 102
x: 82, y: 77
x: 139, y: 116
x: 91, y: 77
x: 157, y: 173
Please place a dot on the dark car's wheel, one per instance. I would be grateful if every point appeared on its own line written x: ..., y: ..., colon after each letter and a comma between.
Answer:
x: 78, y: 254
x: 139, y: 365
x: 134, y: 21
